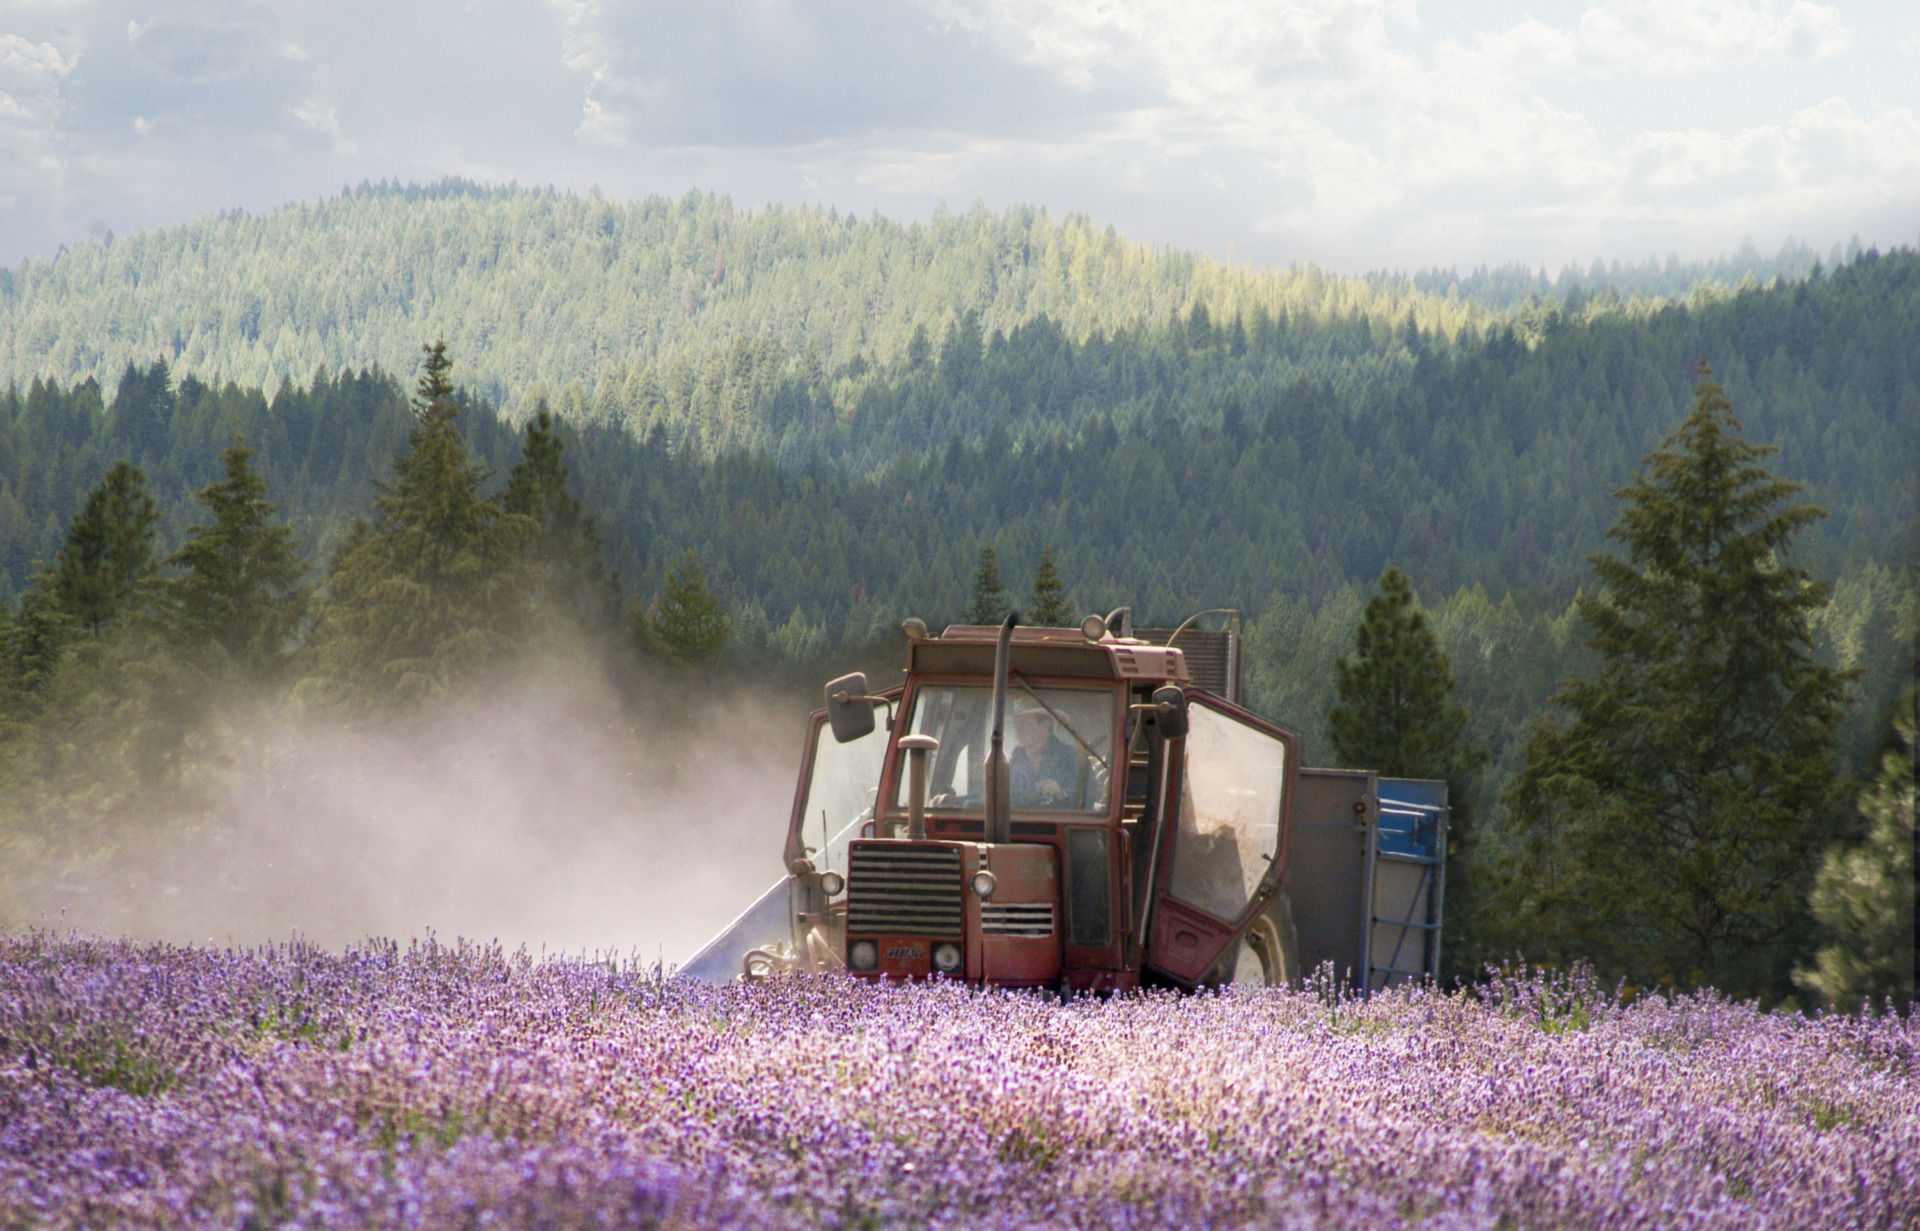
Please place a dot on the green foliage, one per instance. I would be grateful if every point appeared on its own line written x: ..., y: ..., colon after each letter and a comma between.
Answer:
x: 438, y: 588
x: 37, y: 637
x: 1047, y: 604
x: 1271, y: 453
x: 988, y: 605
x: 689, y: 624
x: 109, y: 550
x: 142, y: 411
x: 1392, y: 711
x: 1167, y: 477
x: 613, y: 307
x: 1671, y: 823
x: 238, y: 598
x: 564, y: 546
x: 1863, y: 895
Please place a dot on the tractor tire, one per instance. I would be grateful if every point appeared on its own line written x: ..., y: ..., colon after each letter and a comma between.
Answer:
x: 1269, y: 954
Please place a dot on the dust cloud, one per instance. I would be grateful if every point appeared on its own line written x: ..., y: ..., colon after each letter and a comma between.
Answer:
x: 543, y: 811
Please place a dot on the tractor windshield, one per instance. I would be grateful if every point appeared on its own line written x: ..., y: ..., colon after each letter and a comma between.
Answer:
x: 1058, y: 741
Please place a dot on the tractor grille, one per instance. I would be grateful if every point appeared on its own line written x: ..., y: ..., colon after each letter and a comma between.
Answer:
x: 898, y: 890
x: 1021, y: 919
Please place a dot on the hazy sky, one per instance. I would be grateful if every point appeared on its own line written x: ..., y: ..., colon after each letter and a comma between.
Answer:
x: 1354, y: 133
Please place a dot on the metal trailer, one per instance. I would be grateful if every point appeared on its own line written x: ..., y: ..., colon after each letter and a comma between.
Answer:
x: 1366, y: 883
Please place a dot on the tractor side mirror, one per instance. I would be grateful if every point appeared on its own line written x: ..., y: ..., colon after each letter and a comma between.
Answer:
x: 1169, y: 711
x: 849, y: 708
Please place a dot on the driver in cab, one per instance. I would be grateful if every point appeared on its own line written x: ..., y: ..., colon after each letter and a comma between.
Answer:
x: 1043, y: 767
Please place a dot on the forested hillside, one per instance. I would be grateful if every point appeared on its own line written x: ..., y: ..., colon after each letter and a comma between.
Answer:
x: 773, y: 503
x: 1167, y: 467
x: 705, y: 319
x: 1511, y: 286
x: 596, y: 299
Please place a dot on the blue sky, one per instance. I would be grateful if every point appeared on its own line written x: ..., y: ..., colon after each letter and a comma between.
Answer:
x: 1359, y: 134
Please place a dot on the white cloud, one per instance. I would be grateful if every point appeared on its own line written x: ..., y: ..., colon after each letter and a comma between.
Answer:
x: 1674, y: 37
x: 324, y: 117
x: 601, y: 126
x: 18, y: 55
x: 1359, y: 132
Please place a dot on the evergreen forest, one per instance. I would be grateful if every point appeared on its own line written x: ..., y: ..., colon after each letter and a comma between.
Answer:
x: 787, y: 431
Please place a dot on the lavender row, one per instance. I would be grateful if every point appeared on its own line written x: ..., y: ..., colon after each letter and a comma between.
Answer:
x: 452, y: 1086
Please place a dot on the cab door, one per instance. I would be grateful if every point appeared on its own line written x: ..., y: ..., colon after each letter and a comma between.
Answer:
x: 839, y: 785
x: 1226, y: 851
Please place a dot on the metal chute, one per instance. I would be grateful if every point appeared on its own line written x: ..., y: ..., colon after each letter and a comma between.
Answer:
x: 767, y: 924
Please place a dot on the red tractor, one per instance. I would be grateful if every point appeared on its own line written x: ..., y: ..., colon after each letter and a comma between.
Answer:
x: 1068, y: 809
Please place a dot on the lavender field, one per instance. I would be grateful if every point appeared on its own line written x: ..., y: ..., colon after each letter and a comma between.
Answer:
x: 461, y: 1086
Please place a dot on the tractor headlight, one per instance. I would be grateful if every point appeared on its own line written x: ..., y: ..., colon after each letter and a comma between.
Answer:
x: 831, y: 883
x: 946, y: 958
x: 984, y: 883
x: 862, y: 955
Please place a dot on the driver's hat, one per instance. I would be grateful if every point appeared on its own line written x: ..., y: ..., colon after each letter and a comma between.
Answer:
x: 1027, y: 707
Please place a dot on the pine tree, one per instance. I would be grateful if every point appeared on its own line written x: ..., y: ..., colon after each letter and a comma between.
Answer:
x: 919, y: 349
x: 564, y: 546
x: 108, y: 551
x: 240, y: 592
x: 142, y: 411
x: 1391, y: 710
x: 989, y: 602
x: 1863, y: 895
x: 437, y: 588
x: 962, y: 350
x: 690, y: 624
x: 1392, y: 713
x: 1047, y: 604
x: 1672, y: 824
x: 36, y: 640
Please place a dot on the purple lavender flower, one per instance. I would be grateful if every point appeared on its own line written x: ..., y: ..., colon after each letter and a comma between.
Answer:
x: 465, y: 1086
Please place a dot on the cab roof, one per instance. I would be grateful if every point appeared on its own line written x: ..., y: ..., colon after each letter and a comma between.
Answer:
x: 968, y: 649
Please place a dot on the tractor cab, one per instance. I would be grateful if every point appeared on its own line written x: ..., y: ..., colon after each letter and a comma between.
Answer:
x: 1032, y: 807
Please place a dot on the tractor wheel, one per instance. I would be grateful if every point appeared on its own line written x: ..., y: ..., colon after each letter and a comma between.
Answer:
x: 1269, y: 953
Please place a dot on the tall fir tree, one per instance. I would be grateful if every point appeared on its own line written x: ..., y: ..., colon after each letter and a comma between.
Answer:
x: 239, y: 596
x: 437, y: 588
x: 1047, y: 603
x: 989, y: 602
x: 142, y: 411
x: 109, y: 550
x: 689, y: 623
x: 564, y: 546
x: 36, y: 639
x: 1672, y: 825
x: 1864, y: 894
x: 1393, y: 712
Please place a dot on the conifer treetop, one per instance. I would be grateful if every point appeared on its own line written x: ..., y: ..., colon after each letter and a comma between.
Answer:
x: 240, y: 586
x: 988, y: 604
x: 1695, y: 778
x: 1047, y: 604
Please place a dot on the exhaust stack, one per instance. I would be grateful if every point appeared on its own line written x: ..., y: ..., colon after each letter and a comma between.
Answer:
x: 917, y: 747
x: 999, y: 781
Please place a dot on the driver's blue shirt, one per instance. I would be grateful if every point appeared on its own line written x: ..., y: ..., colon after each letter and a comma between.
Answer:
x: 1056, y: 761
